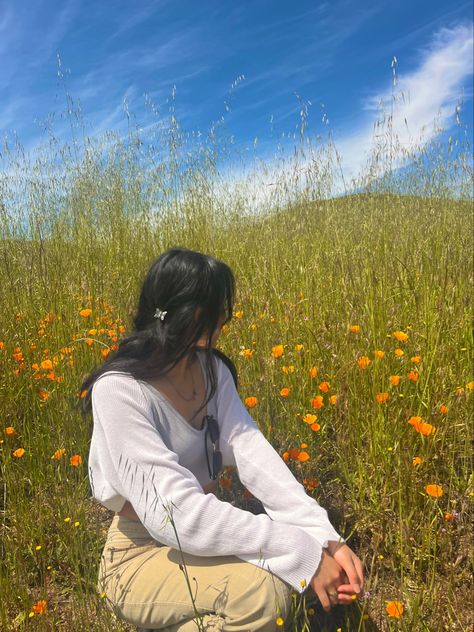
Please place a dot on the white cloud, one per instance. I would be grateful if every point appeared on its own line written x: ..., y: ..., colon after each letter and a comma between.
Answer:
x: 424, y: 100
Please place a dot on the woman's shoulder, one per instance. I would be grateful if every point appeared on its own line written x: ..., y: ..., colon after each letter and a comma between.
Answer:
x: 114, y: 381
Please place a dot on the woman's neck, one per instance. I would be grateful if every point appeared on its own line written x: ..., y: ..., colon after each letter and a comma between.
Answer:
x: 181, y: 370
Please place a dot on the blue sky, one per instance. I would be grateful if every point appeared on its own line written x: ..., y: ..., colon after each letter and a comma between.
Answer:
x: 242, y: 59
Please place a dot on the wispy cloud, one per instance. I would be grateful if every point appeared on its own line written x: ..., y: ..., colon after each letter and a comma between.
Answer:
x: 427, y: 94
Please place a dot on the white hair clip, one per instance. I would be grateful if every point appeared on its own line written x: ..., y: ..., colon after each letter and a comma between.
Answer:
x: 160, y: 314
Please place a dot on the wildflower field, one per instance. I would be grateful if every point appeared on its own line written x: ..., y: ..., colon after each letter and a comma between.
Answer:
x: 352, y: 335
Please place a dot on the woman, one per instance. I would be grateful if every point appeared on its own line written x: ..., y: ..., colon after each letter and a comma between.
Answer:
x: 167, y: 418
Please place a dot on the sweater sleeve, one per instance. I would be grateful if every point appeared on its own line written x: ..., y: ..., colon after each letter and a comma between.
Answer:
x: 263, y: 472
x: 171, y: 503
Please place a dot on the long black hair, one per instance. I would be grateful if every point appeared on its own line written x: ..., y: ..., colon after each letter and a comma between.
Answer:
x: 195, y: 290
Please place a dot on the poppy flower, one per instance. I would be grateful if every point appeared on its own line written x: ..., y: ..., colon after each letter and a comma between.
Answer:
x: 434, y: 490
x: 394, y: 380
x: 317, y: 402
x: 10, y: 430
x: 417, y: 460
x: 325, y: 387
x: 40, y: 607
x: 354, y: 329
x: 443, y: 409
x: 363, y: 362
x: 247, y: 353
x: 315, y: 427
x: 85, y: 312
x: 278, y: 351
x: 18, y: 453
x: 75, y: 460
x: 313, y: 372
x: 47, y: 365
x: 285, y: 391
x: 299, y: 348
x: 250, y: 402
x: 381, y: 398
x: 309, y: 418
x: 415, y: 359
x: 333, y: 400
x: 394, y: 609
x: 399, y: 352
x: 303, y: 456
x: 379, y: 354
x: 420, y: 426
x: 58, y: 454
x: 401, y: 336
x: 294, y: 453
x: 413, y: 375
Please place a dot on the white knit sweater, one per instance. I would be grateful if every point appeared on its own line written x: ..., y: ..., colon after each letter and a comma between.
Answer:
x: 142, y: 450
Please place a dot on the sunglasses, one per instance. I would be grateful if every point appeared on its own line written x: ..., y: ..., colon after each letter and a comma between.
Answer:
x: 214, y: 465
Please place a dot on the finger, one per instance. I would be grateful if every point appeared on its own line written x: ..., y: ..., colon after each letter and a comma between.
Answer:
x: 346, y: 600
x: 360, y: 570
x: 352, y: 574
x: 324, y: 599
x: 346, y: 589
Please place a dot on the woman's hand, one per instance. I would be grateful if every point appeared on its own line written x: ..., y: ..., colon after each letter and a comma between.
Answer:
x: 350, y: 564
x: 327, y: 580
x: 339, y: 577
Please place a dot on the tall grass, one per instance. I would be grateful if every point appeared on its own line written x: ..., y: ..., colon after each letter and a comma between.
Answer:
x: 329, y: 278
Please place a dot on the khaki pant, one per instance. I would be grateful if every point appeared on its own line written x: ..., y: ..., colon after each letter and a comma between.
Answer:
x: 145, y: 585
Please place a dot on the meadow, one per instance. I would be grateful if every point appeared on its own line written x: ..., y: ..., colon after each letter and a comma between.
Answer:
x: 352, y: 335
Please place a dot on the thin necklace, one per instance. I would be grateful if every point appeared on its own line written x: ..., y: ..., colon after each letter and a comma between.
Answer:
x: 194, y: 393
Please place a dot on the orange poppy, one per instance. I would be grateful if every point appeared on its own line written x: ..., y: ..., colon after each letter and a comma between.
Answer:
x: 413, y: 375
x: 399, y: 352
x: 354, y: 329
x: 303, y: 456
x: 394, y: 609
x: 294, y: 453
x: 417, y: 460
x: 75, y: 460
x: 309, y: 418
x: 401, y: 336
x: 315, y: 427
x: 443, y: 409
x: 313, y: 372
x: 333, y: 399
x: 58, y: 454
x: 40, y: 607
x: 18, y: 453
x: 10, y: 430
x: 278, y: 351
x: 285, y: 391
x: 317, y: 402
x: 434, y: 490
x: 379, y: 354
x: 420, y: 426
x: 325, y: 387
x: 363, y: 362
x: 381, y: 398
x: 85, y: 312
x: 394, y: 380
x: 250, y: 402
